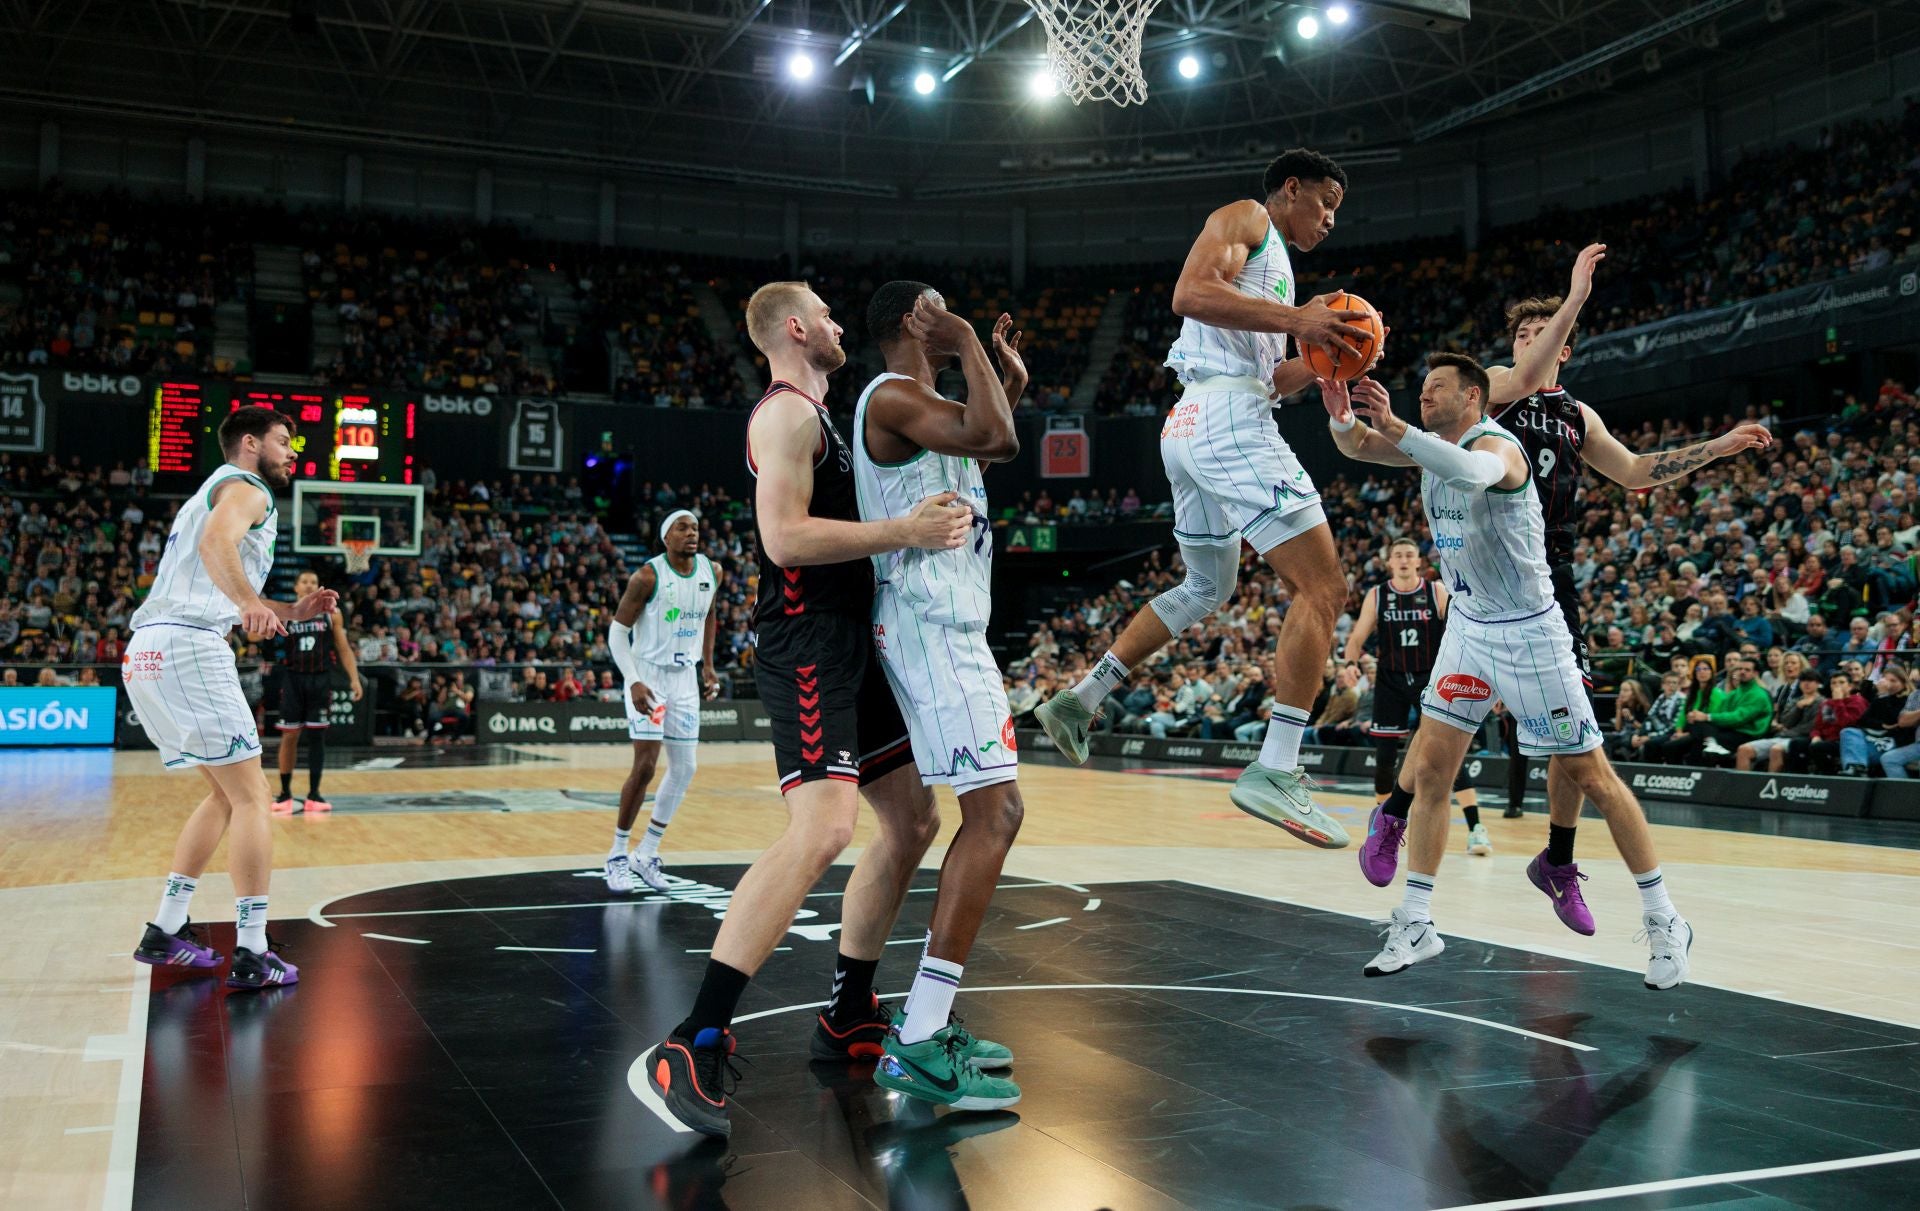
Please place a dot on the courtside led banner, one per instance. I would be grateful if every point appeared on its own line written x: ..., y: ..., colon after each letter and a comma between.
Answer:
x: 56, y: 716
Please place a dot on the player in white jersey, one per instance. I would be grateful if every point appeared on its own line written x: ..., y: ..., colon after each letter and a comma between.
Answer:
x: 1235, y: 478
x: 179, y: 674
x: 663, y: 627
x: 1505, y: 638
x: 930, y: 612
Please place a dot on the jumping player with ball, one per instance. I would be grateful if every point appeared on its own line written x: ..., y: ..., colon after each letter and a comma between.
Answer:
x: 1234, y: 477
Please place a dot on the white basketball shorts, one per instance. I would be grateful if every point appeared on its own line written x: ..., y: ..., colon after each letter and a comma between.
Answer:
x: 185, y: 691
x: 1528, y: 664
x: 949, y: 690
x: 1232, y: 473
x: 676, y: 705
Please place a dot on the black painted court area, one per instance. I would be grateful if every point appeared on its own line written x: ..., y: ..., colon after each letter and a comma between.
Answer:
x: 449, y: 1072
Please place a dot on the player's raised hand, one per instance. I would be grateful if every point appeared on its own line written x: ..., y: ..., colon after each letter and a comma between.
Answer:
x: 1740, y: 438
x: 1328, y: 328
x: 1589, y: 260
x: 259, y: 621
x: 1375, y: 407
x: 1334, y: 396
x: 1006, y: 351
x: 941, y: 330
x: 316, y: 603
x: 939, y: 523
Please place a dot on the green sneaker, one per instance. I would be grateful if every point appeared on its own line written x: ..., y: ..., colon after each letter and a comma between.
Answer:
x: 934, y: 1070
x: 1066, y: 722
x: 981, y: 1053
x: 1285, y: 798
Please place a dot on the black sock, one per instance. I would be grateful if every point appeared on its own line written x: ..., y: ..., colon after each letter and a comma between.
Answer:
x: 1385, y: 752
x: 1472, y: 813
x: 316, y: 762
x: 286, y: 786
x: 852, y: 988
x: 719, y: 996
x: 1399, y: 803
x: 1559, y: 844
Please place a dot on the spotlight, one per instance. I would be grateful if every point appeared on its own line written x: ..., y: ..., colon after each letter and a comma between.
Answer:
x: 924, y: 83
x: 800, y: 66
x: 1044, y: 83
x: 1308, y: 27
x: 1339, y: 14
x: 1189, y: 67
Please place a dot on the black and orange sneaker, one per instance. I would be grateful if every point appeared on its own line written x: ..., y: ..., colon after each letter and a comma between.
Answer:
x: 862, y: 1039
x: 694, y: 1077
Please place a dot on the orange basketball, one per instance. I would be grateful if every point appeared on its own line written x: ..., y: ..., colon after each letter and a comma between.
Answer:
x: 1346, y: 365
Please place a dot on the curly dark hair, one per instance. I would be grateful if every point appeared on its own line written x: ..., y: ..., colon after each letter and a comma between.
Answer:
x: 1304, y: 164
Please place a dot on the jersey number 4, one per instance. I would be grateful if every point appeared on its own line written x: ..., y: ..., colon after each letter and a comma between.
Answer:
x: 1460, y: 586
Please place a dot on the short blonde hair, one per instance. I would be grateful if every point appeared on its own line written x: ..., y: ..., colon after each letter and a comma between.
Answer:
x: 769, y: 308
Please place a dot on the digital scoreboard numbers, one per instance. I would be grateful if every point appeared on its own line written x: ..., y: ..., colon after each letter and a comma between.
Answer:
x: 345, y: 438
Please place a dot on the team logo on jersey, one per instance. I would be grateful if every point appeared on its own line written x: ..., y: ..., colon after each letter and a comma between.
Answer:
x: 1458, y: 687
x: 1562, y: 723
x: 1280, y: 289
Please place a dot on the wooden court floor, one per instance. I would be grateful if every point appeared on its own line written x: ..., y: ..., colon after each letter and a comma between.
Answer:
x: 85, y: 838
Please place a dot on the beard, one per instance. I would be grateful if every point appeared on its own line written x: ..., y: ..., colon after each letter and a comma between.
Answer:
x: 825, y: 357
x: 280, y: 476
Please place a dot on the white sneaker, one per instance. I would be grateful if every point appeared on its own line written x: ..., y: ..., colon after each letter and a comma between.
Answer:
x: 1713, y: 748
x: 1478, y: 843
x: 1408, y: 942
x: 647, y: 870
x: 619, y: 875
x: 1669, y: 937
x: 1285, y: 798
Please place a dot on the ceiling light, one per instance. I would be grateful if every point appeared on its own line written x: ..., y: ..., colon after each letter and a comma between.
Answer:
x: 1044, y: 83
x: 800, y: 66
x: 1189, y: 67
x: 1339, y: 14
x: 1308, y: 27
x: 924, y: 83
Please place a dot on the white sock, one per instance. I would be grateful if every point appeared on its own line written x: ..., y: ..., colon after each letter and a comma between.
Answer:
x: 621, y: 838
x: 1281, y: 748
x: 250, y: 921
x: 1107, y: 676
x: 650, y: 840
x: 1653, y: 893
x: 1418, y: 898
x: 173, y: 902
x: 930, y: 1003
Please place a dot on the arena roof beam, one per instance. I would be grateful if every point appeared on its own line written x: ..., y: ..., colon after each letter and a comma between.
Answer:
x: 1575, y: 66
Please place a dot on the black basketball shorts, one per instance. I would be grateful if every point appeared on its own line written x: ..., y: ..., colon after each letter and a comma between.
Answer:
x: 832, y: 714
x: 304, y: 700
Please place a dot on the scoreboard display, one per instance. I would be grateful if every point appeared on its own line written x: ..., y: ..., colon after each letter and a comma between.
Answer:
x: 349, y: 438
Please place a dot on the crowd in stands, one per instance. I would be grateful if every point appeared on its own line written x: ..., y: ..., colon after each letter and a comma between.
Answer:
x: 646, y: 304
x: 424, y: 304
x: 1704, y: 601
x: 1782, y: 217
x: 107, y: 282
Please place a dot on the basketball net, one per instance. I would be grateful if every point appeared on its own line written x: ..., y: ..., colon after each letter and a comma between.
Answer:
x: 358, y: 552
x: 1094, y: 47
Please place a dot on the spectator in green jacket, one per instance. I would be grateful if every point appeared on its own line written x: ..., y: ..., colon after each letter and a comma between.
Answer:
x: 1740, y: 711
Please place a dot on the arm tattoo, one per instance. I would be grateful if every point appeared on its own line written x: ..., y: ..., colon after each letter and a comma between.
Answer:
x: 1679, y: 462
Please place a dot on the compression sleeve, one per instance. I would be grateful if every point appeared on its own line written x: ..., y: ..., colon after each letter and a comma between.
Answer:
x: 1457, y: 466
x: 620, y: 644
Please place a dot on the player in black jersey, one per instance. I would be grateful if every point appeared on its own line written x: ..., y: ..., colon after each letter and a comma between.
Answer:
x: 1558, y: 433
x: 308, y: 655
x: 1409, y: 612
x: 837, y: 732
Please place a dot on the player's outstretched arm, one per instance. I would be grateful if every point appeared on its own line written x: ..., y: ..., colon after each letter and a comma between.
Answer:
x: 1354, y: 438
x: 1205, y: 290
x: 784, y: 437
x: 1535, y: 365
x: 1606, y: 454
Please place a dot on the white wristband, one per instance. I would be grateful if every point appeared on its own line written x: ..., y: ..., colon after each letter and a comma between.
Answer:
x: 1334, y: 424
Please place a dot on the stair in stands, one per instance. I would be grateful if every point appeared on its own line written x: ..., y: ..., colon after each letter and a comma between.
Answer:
x: 719, y: 319
x: 1101, y: 347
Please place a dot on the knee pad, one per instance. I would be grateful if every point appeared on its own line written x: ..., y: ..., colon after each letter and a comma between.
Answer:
x: 1213, y: 572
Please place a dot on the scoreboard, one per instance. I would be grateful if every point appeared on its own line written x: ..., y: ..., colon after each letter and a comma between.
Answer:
x: 350, y: 438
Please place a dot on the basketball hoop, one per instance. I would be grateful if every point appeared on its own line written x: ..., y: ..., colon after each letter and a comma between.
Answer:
x: 358, y: 552
x: 1093, y: 46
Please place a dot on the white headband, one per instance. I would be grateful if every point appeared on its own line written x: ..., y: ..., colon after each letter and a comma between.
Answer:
x: 674, y: 516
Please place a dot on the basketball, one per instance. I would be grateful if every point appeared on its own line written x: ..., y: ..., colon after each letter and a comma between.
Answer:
x: 1346, y: 365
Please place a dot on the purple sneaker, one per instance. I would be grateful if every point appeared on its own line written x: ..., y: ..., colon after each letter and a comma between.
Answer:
x: 1563, y: 884
x: 1380, y: 852
x: 266, y: 970
x: 183, y: 949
